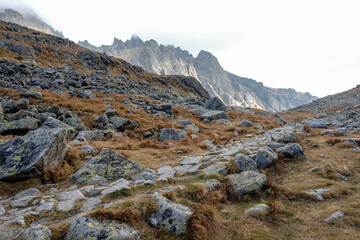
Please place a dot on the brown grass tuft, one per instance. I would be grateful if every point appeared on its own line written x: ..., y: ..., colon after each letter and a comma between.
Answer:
x: 55, y: 174
x: 307, y: 128
x: 333, y: 141
x: 203, y: 223
x: 229, y: 191
x: 59, y: 230
x: 170, y: 195
x: 127, y: 215
x: 232, y: 167
x: 194, y: 192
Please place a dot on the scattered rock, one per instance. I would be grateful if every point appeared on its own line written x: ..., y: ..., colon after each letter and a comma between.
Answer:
x: 212, y: 185
x: 334, y: 216
x: 245, y: 123
x: 121, y: 123
x: 171, y: 134
x: 292, y: 150
x: 31, y: 94
x: 215, y: 103
x: 215, y: 169
x: 265, y: 157
x: 315, y: 123
x: 90, y: 204
x: 118, y: 185
x: 214, y: 115
x: 245, y: 163
x: 19, y: 126
x: 247, y: 182
x: 71, y: 195
x: 36, y: 232
x: 76, y: 123
x: 51, y: 122
x: 259, y: 208
x: 65, y: 206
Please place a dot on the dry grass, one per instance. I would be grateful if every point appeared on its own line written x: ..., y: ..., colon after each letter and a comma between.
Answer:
x: 193, y: 192
x: 58, y: 230
x: 232, y: 167
x: 127, y: 215
x: 203, y: 223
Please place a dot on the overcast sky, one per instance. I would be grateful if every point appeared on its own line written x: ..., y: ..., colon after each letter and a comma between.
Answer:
x: 310, y: 45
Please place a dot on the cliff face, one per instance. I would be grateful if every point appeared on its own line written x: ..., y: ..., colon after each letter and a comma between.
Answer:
x: 30, y: 20
x: 232, y: 89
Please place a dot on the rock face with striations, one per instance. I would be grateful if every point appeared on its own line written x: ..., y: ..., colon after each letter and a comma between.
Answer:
x: 28, y: 155
x: 230, y: 88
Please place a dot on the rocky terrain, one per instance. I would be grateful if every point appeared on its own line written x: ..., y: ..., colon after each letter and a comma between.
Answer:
x: 29, y: 19
x: 230, y: 88
x: 93, y: 147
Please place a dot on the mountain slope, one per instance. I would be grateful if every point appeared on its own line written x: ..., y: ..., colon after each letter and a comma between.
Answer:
x: 232, y: 89
x: 30, y: 20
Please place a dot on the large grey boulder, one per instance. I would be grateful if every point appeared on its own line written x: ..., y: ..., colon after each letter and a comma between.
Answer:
x: 19, y: 126
x: 10, y: 233
x: 244, y: 163
x: 32, y: 94
x: 215, y: 103
x: 76, y: 123
x: 14, y: 106
x: 291, y: 150
x: 214, y: 115
x: 19, y: 115
x: 89, y: 228
x: 36, y: 232
x: 109, y: 165
x: 246, y: 123
x: 54, y: 123
x: 1, y: 113
x: 171, y: 134
x: 26, y: 156
x: 215, y: 169
x: 28, y: 192
x: 315, y: 123
x: 247, y: 182
x: 97, y: 135
x: 121, y: 123
x: 170, y: 216
x: 265, y: 156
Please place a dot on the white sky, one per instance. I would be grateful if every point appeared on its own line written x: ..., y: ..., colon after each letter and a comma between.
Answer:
x: 310, y: 45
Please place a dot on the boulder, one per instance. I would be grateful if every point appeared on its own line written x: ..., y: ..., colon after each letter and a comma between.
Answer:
x: 97, y: 135
x: 315, y: 123
x: 214, y: 115
x: 265, y: 156
x: 247, y: 182
x: 259, y: 208
x: 212, y: 185
x: 15, y: 106
x: 28, y: 192
x: 215, y: 169
x: 10, y: 233
x: 90, y: 204
x: 87, y: 94
x: 170, y: 216
x: 1, y: 113
x: 334, y: 216
x: 121, y: 123
x: 19, y: 115
x: 71, y: 195
x: 109, y: 165
x: 171, y: 134
x: 27, y: 156
x: 89, y: 228
x: 337, y: 131
x: 143, y: 177
x: 245, y: 123
x: 76, y: 123
x: 32, y: 94
x: 19, y: 126
x: 291, y: 150
x: 36, y: 232
x: 65, y: 206
x: 54, y: 123
x: 121, y: 184
x: 215, y: 103
x: 245, y: 163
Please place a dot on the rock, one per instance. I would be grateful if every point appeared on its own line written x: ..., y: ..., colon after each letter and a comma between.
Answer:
x: 171, y: 134
x: 121, y: 123
x: 96, y: 135
x: 170, y: 216
x: 337, y: 131
x: 29, y: 192
x: 19, y: 115
x: 51, y: 122
x: 90, y: 204
x: 44, y: 206
x: 199, y: 111
x: 318, y: 193
x: 31, y: 94
x: 88, y: 149
x: 166, y: 171
x: 65, y: 206
x: 22, y: 202
x: 245, y: 163
x: 292, y: 150
x: 71, y: 195
x: 26, y: 156
x: 107, y: 205
x: 334, y: 216
x: 19, y: 126
x: 215, y: 169
x: 20, y: 221
x: 1, y: 113
x: 192, y: 127
x: 76, y: 123
x: 245, y: 123
x: 212, y: 185
x: 259, y: 208
x: 87, y: 94
x: 36, y: 232
x: 10, y: 233
x: 86, y: 227
x: 103, y: 118
x: 109, y: 165
x: 214, y: 115
x: 2, y: 211
x: 15, y: 106
x: 265, y: 156
x: 144, y: 176
x: 215, y: 103
x: 247, y: 182
x: 116, y: 186
x: 315, y: 123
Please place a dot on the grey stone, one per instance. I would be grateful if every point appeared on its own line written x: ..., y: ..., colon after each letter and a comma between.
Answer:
x: 334, y: 216
x: 87, y: 94
x: 265, y: 156
x: 107, y: 205
x: 212, y: 185
x: 315, y: 123
x: 15, y: 106
x: 245, y: 163
x: 65, y: 206
x: 86, y: 227
x: 247, y: 182
x: 51, y: 122
x: 22, y: 202
x: 191, y: 160
x: 214, y: 115
x: 166, y: 171
x: 97, y: 135
x: 90, y: 204
x: 71, y: 195
x: 88, y: 148
x: 2, y: 211
x: 215, y: 103
x: 215, y: 169
x: 45, y: 206
x: 28, y: 192
x: 19, y: 126
x: 10, y: 233
x: 36, y: 232
x: 259, y: 208
x: 170, y: 216
x: 1, y: 113
x: 19, y: 115
x: 20, y: 221
x: 121, y: 123
x: 144, y: 176
x: 318, y: 193
x: 245, y: 123
x: 292, y: 150
x: 32, y: 94
x: 337, y: 131
x: 171, y: 134
x: 76, y: 123
x: 118, y: 185
x: 109, y: 165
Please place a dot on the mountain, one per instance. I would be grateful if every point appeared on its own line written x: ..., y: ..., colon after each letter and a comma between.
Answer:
x: 28, y: 19
x: 232, y: 89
